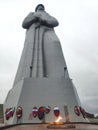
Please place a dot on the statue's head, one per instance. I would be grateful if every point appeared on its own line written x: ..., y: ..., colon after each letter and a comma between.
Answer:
x: 40, y: 7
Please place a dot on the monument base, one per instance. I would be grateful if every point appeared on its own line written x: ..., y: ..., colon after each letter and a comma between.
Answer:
x: 43, y: 100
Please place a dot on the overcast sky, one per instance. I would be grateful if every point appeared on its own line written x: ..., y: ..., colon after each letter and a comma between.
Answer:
x: 77, y: 31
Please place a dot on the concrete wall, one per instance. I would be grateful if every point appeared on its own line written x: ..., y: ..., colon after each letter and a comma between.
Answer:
x: 38, y: 92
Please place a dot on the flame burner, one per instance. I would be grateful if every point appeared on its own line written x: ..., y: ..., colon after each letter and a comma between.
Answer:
x: 60, y: 126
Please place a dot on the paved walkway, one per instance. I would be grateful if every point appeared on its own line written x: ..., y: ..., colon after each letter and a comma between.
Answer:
x: 44, y: 127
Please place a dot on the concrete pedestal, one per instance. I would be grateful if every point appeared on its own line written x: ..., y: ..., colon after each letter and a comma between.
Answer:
x: 37, y: 92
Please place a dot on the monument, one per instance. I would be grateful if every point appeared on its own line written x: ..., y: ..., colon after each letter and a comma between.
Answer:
x: 42, y: 91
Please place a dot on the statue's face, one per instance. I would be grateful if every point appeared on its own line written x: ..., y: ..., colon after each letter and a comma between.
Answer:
x: 40, y: 8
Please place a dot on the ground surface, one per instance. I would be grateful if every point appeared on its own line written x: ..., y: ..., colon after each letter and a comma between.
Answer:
x: 52, y: 127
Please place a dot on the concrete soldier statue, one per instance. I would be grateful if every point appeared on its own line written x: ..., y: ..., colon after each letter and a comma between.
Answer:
x: 42, y: 91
